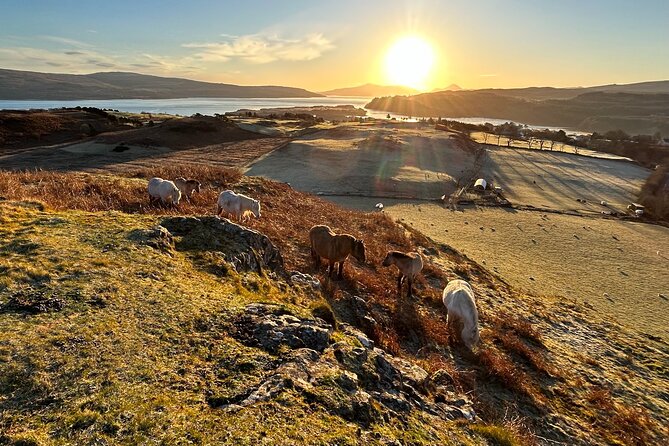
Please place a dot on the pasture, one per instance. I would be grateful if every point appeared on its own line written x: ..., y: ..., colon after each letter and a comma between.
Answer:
x: 555, y: 180
x: 370, y: 160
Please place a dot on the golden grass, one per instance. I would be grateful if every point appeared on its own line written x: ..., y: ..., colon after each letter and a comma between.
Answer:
x: 172, y: 310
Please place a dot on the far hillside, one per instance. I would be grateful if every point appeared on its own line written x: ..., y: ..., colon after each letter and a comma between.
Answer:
x: 371, y: 90
x: 119, y: 85
x: 594, y: 111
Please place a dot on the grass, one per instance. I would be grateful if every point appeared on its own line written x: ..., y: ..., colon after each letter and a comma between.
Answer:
x: 138, y: 344
x: 497, y: 435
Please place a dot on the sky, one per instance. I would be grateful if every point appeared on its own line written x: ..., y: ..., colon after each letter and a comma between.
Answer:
x: 324, y: 45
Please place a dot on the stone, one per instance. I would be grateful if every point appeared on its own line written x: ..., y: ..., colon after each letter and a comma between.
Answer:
x: 244, y: 248
x: 157, y: 237
x: 264, y: 328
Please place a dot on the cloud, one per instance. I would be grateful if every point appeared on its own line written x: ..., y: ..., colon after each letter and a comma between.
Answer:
x: 487, y: 75
x: 87, y: 60
x: 66, y: 41
x: 256, y: 48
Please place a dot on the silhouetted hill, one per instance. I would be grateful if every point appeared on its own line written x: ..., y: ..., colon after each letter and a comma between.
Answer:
x: 119, y: 85
x: 589, y: 111
x: 372, y: 90
x: 568, y: 93
x: 452, y: 87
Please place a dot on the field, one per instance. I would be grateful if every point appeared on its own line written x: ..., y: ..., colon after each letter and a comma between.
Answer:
x: 110, y: 334
x: 554, y: 180
x: 370, y: 160
x: 536, y: 144
x: 618, y: 267
x: 207, y: 141
x: 563, y: 247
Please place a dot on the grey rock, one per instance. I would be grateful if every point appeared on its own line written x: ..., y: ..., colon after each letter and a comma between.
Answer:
x: 157, y: 237
x: 262, y: 327
x: 244, y: 248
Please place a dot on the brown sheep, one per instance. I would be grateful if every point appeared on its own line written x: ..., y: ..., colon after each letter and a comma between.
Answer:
x: 334, y: 247
x: 187, y: 187
x: 409, y: 264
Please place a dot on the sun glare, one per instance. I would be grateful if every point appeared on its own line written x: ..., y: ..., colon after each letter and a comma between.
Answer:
x: 409, y: 61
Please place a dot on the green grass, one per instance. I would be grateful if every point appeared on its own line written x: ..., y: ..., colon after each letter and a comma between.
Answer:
x: 138, y: 351
x: 497, y: 435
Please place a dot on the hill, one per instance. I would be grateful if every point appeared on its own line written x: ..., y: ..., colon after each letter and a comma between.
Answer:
x: 371, y: 90
x: 19, y: 85
x: 452, y: 87
x: 120, y: 327
x: 650, y: 87
x: 647, y: 113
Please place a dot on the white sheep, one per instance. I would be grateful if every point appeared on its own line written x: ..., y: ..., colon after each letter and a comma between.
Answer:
x: 164, y: 190
x: 187, y: 187
x: 458, y: 298
x: 237, y: 204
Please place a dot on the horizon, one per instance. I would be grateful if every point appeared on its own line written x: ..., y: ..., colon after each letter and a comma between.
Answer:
x: 350, y: 86
x: 424, y: 45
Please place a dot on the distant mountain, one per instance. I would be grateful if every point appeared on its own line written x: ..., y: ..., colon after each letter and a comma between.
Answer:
x: 452, y: 87
x: 16, y: 84
x: 372, y: 90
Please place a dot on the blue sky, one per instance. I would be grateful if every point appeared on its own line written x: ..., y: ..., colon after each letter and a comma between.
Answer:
x: 322, y: 45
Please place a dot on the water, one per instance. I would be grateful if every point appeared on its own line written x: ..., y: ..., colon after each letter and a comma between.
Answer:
x: 187, y: 106
x: 210, y: 106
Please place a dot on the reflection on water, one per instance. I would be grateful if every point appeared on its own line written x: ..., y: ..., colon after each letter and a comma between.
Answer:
x: 210, y: 106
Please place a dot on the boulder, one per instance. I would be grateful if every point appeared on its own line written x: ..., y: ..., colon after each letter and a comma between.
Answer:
x: 244, y: 248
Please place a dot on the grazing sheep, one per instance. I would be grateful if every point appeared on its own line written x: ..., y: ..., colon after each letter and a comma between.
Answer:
x: 334, y: 247
x: 409, y: 264
x: 187, y: 187
x: 163, y: 190
x: 237, y: 204
x: 458, y: 298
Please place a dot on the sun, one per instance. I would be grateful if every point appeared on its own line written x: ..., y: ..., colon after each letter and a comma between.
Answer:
x: 409, y: 61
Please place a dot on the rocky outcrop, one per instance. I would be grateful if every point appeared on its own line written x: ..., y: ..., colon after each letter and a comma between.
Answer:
x: 157, y: 237
x: 244, y: 248
x: 351, y: 378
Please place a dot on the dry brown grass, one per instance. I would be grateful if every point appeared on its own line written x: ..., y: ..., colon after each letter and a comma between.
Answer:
x: 60, y: 190
x: 407, y: 327
x: 624, y: 423
x: 514, y: 345
x: 498, y: 365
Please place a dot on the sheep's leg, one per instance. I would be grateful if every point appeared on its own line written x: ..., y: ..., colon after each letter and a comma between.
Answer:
x: 331, y: 268
x: 315, y: 257
x: 341, y: 269
x: 410, y: 292
x: 399, y: 285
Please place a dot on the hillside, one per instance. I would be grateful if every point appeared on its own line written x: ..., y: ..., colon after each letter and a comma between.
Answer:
x: 371, y: 90
x: 651, y: 87
x: 636, y: 113
x: 115, y: 330
x: 119, y: 85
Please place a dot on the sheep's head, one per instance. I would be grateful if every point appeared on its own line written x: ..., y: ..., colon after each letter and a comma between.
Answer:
x: 256, y: 208
x: 471, y: 336
x: 197, y: 186
x: 176, y: 196
x: 359, y: 250
x: 387, y: 260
